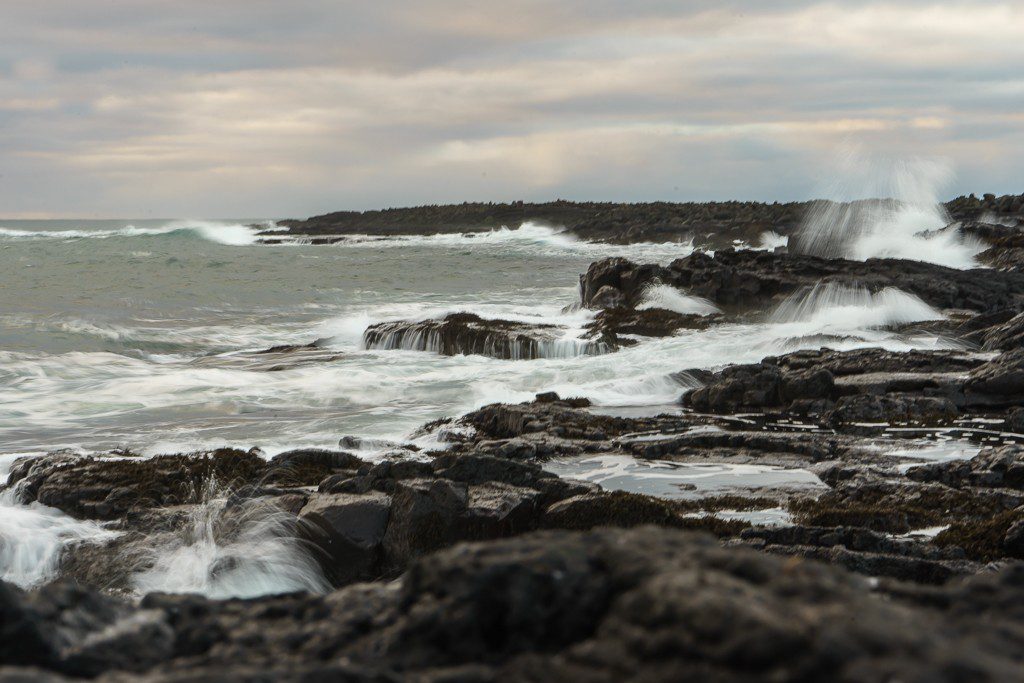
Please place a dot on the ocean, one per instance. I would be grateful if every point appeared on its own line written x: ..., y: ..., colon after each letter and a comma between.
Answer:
x: 141, y: 335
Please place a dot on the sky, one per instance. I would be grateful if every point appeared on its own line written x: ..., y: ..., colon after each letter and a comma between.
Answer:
x: 275, y: 108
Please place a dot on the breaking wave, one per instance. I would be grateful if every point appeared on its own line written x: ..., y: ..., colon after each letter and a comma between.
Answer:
x: 907, y: 224
x: 231, y: 234
x: 529, y: 237
x: 670, y: 298
x: 231, y: 552
x: 830, y: 306
x: 33, y: 538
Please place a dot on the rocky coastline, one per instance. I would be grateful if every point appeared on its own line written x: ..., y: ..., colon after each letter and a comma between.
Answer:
x: 709, y: 225
x: 475, y: 560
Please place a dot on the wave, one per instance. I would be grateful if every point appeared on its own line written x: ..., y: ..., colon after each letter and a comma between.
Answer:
x: 227, y: 552
x: 529, y: 236
x: 33, y: 538
x: 670, y: 298
x: 230, y: 234
x: 830, y: 307
x: 909, y: 225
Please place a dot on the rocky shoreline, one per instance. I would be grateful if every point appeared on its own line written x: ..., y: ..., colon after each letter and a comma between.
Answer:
x: 475, y: 560
x: 709, y: 225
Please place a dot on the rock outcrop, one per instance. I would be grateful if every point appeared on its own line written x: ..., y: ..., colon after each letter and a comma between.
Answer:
x: 604, y: 605
x: 751, y: 280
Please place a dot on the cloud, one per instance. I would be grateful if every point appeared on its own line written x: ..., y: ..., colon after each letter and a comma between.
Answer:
x: 274, y: 109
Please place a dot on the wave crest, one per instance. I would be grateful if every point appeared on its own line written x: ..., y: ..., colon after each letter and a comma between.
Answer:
x: 230, y: 234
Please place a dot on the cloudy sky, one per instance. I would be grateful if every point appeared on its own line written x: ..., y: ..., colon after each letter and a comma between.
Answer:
x: 177, y: 108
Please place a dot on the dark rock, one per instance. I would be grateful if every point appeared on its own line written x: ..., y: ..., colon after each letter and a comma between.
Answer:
x: 998, y: 383
x: 650, y: 322
x: 645, y: 604
x: 309, y: 466
x: 993, y: 467
x: 616, y: 282
x: 752, y: 280
x: 607, y: 297
x: 102, y: 488
x: 893, y: 409
x: 348, y: 531
x: 739, y: 387
x: 467, y: 333
x: 876, y: 360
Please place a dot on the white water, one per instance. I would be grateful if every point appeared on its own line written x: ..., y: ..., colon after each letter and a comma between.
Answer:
x: 670, y: 298
x: 231, y: 553
x: 231, y: 234
x: 33, y: 537
x: 681, y: 480
x: 528, y: 237
x: 147, y: 349
x: 387, y: 394
x: 830, y: 307
x: 907, y: 224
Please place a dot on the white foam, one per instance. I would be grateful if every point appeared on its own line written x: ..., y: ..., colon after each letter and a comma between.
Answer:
x: 908, y: 224
x: 33, y: 538
x: 771, y: 240
x: 231, y: 234
x: 530, y: 237
x: 239, y: 553
x: 833, y: 307
x: 670, y: 298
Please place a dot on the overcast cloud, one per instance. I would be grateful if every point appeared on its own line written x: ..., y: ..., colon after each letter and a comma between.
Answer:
x: 273, y: 108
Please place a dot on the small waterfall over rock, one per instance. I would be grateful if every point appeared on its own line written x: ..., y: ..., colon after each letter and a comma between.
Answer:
x: 467, y: 333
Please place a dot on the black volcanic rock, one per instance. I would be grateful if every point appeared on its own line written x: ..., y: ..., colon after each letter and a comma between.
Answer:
x: 755, y: 279
x: 642, y: 604
x: 468, y: 333
x: 708, y: 225
x: 712, y: 225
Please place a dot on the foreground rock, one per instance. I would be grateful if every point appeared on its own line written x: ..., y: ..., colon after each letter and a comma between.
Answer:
x: 607, y: 605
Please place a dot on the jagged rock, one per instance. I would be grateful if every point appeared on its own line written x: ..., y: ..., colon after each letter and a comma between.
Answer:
x: 430, y: 514
x: 865, y: 552
x: 893, y: 408
x: 876, y: 360
x: 739, y: 387
x: 310, y: 465
x: 616, y: 281
x: 103, y: 488
x: 998, y: 383
x: 755, y: 279
x: 607, y: 296
x: 1005, y: 335
x: 998, y: 467
x: 80, y: 633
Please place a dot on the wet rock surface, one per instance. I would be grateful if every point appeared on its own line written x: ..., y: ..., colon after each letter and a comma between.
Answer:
x: 602, y: 605
x: 744, y: 280
x: 467, y: 333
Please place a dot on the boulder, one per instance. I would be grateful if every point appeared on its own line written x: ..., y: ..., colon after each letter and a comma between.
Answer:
x: 348, y: 532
